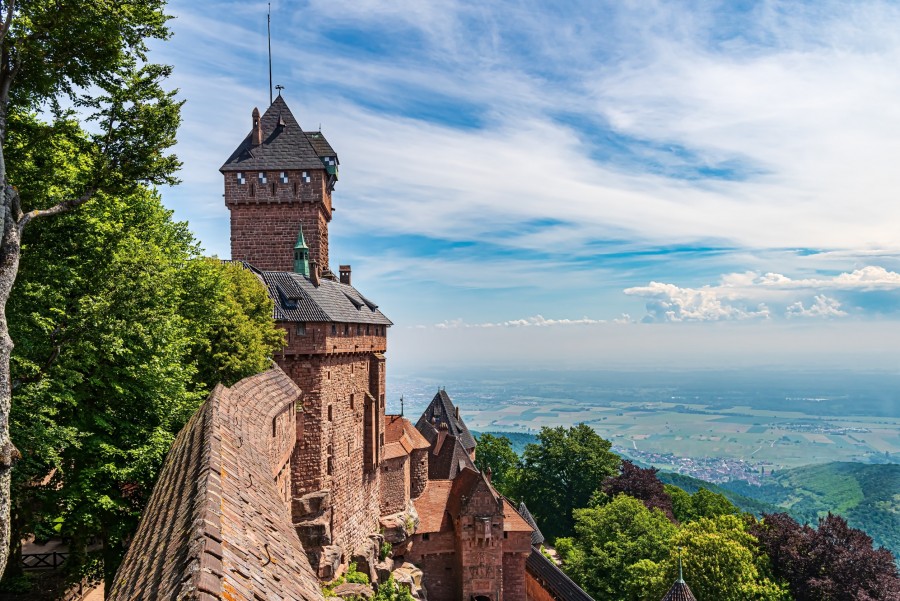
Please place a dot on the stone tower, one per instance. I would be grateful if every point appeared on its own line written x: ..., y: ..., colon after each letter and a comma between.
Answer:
x: 277, y: 178
x: 278, y: 186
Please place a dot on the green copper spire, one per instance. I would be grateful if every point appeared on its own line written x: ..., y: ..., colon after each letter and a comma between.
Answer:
x: 680, y: 575
x: 301, y: 255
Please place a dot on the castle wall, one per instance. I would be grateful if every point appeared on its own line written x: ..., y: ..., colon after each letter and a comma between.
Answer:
x: 321, y: 338
x: 394, y: 485
x: 418, y: 472
x: 264, y: 224
x: 437, y: 558
x: 330, y: 434
x: 534, y: 591
x: 514, y: 585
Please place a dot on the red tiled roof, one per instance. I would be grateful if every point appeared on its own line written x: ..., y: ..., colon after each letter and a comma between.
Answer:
x: 432, y: 507
x: 398, y: 429
x: 512, y: 520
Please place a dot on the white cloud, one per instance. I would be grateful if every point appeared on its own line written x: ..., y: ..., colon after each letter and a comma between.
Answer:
x: 750, y: 295
x: 822, y: 307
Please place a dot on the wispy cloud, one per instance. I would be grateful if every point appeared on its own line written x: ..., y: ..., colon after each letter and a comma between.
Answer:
x: 549, y: 141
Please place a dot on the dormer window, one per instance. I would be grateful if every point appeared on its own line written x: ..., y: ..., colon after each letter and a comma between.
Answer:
x: 262, y: 177
x: 283, y: 177
x: 241, y: 178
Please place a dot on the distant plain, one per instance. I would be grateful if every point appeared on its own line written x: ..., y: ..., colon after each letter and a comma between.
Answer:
x: 772, y: 419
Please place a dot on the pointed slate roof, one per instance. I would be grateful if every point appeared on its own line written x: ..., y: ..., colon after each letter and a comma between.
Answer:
x: 285, y: 146
x: 442, y: 411
x: 446, y: 462
x: 537, y: 539
x: 679, y: 592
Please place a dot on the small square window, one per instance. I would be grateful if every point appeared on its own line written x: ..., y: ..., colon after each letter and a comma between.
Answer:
x: 301, y: 329
x: 425, y: 536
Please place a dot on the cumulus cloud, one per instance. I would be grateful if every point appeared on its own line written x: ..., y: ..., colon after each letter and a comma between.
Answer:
x: 750, y: 295
x: 822, y: 307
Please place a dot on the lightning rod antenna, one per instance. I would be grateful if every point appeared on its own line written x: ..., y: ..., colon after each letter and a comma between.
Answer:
x: 269, y: 30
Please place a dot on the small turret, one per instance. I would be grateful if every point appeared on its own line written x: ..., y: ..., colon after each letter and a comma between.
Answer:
x: 301, y: 255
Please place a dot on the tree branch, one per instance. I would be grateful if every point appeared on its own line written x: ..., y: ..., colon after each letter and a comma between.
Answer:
x: 4, y: 27
x: 62, y: 207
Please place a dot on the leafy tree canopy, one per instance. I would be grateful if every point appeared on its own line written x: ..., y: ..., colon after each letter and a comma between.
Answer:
x: 561, y: 472
x: 496, y: 453
x: 609, y: 541
x: 122, y: 330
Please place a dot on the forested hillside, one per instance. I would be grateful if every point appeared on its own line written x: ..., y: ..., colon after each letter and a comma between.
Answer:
x: 868, y: 496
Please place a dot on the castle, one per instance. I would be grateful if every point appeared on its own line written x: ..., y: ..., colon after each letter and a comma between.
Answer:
x: 281, y: 481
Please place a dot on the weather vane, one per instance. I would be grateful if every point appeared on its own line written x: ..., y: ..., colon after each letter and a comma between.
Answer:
x: 279, y: 87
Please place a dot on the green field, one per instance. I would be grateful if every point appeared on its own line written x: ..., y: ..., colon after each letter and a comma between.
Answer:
x: 779, y: 439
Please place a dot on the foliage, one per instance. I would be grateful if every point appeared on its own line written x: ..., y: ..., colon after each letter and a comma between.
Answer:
x: 385, y: 550
x: 351, y: 575
x: 863, y: 494
x: 747, y: 503
x: 831, y: 562
x: 701, y: 504
x: 90, y: 56
x: 641, y: 484
x: 609, y: 543
x: 121, y: 331
x: 496, y: 453
x: 560, y: 473
x: 389, y: 590
x: 722, y: 561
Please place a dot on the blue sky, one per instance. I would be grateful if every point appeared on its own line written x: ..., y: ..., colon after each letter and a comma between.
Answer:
x: 648, y: 183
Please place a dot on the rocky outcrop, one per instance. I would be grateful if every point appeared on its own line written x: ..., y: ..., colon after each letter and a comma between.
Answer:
x: 411, y: 578
x: 397, y: 527
x: 352, y: 591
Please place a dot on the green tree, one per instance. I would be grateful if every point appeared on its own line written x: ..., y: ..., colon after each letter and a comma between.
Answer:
x: 702, y: 504
x: 91, y: 55
x: 122, y: 332
x: 722, y: 561
x: 561, y: 472
x: 610, y: 543
x: 496, y: 453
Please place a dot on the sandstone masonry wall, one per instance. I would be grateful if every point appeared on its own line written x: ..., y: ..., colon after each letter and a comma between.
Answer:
x: 264, y: 224
x: 394, y: 485
x: 330, y: 436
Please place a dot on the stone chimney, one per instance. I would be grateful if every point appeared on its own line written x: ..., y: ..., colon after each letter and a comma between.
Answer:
x: 344, y: 271
x: 457, y: 413
x: 441, y: 437
x: 256, y: 133
x: 314, y: 273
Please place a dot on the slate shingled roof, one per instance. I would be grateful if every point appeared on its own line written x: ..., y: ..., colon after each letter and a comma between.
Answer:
x: 552, y: 579
x: 537, y: 539
x: 296, y: 299
x: 284, y: 146
x: 679, y: 592
x: 450, y: 459
x: 216, y: 527
x: 442, y: 411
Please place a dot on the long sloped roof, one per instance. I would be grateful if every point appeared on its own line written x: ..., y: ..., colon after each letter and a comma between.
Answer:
x: 442, y: 411
x: 216, y: 526
x: 553, y: 579
x: 537, y: 538
x: 297, y: 299
x: 284, y: 145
